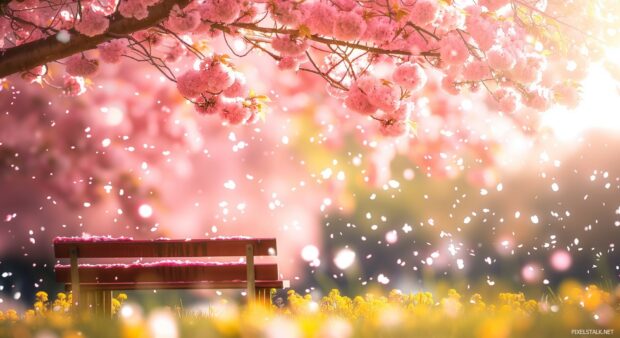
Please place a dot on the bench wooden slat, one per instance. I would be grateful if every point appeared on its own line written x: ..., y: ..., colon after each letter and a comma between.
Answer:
x: 165, y: 248
x: 165, y: 273
x: 278, y: 284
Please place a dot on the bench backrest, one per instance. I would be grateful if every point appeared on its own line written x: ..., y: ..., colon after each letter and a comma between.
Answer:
x: 127, y: 248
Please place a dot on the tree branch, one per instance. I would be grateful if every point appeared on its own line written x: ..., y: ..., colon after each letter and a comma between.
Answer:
x: 29, y: 55
x: 317, y: 38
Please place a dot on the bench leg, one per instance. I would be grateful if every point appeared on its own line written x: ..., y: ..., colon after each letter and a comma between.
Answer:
x: 98, y: 306
x: 87, y: 301
x: 107, y: 304
x: 263, y: 296
x: 102, y: 304
x: 98, y: 302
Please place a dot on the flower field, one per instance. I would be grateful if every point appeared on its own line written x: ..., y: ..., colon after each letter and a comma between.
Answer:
x: 574, y: 310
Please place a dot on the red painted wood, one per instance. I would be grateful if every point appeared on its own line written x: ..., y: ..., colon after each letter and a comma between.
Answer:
x: 241, y: 284
x: 165, y: 248
x: 165, y: 273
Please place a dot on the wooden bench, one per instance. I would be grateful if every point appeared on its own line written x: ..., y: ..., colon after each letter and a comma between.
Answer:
x: 92, y: 284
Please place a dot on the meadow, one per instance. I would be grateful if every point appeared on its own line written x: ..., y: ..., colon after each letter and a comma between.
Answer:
x: 573, y: 310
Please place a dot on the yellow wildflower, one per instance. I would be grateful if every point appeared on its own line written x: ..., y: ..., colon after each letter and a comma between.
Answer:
x: 39, y: 307
x: 451, y: 304
x: 29, y: 315
x: 11, y: 315
x: 121, y: 297
x: 42, y: 296
x: 477, y: 303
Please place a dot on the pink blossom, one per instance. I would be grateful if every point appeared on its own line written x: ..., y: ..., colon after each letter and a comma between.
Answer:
x: 5, y: 29
x: 91, y: 22
x: 567, y: 94
x: 237, y: 88
x: 349, y: 26
x: 217, y: 77
x: 175, y: 52
x: 191, y: 84
x: 234, y: 112
x: 424, y: 12
x: 400, y: 44
x: 484, y: 36
x: 410, y: 76
x: 224, y: 11
x: 107, y: 7
x: 289, y: 45
x: 151, y: 37
x: 288, y: 62
x: 286, y: 12
x: 358, y: 101
x: 319, y: 17
x: 501, y: 59
x: 21, y: 5
x: 254, y: 117
x: 403, y: 112
x: 133, y: 9
x: 476, y: 71
x: 181, y: 21
x: 380, y: 30
x: 450, y: 18
x: 382, y: 94
x: 529, y: 69
x: 79, y: 65
x: 509, y: 100
x: 34, y: 74
x: 73, y: 86
x: 208, y: 30
x: 385, y: 97
x: 345, y: 5
x: 453, y: 50
x: 449, y: 85
x: 474, y: 87
x: 393, y: 128
x: 539, y: 99
x: 209, y: 105
x: 112, y: 51
x: 250, y: 12
x: 416, y: 43
x: 493, y: 5
x: 482, y: 31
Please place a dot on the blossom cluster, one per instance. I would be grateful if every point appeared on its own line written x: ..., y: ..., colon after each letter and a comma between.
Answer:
x: 376, y: 55
x: 215, y: 88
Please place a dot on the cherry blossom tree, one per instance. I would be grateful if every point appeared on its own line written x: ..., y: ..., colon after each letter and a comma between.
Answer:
x: 374, y: 56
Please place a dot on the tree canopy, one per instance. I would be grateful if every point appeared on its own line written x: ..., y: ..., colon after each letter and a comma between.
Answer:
x: 374, y: 56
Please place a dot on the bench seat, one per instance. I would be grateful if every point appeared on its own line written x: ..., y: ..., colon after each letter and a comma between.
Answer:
x: 164, y: 272
x: 234, y: 284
